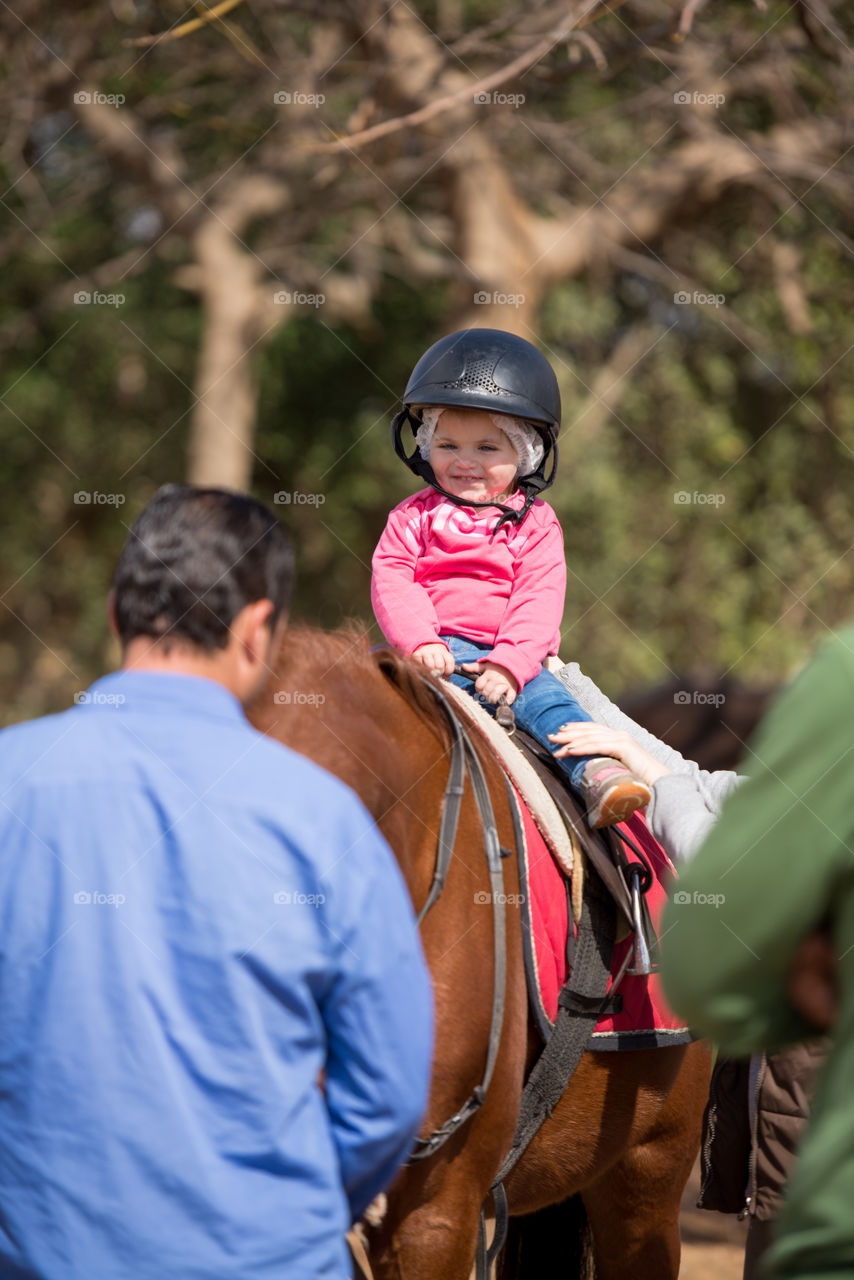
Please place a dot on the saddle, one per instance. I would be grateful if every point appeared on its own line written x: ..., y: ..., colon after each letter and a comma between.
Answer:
x: 543, y: 787
x: 606, y: 908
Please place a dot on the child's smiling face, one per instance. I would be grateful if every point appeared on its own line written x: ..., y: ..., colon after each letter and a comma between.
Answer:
x: 472, y: 458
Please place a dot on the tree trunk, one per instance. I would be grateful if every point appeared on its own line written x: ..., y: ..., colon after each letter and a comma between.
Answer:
x: 223, y: 420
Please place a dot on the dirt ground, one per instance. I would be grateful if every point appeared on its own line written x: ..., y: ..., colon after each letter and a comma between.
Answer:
x: 712, y: 1243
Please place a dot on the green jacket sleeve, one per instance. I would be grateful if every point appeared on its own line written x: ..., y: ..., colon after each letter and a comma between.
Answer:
x: 772, y: 866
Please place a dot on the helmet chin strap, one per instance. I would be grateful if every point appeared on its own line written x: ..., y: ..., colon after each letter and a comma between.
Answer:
x: 531, y: 485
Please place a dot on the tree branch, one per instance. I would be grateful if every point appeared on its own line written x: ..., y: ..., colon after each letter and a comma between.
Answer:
x: 176, y: 33
x: 468, y: 93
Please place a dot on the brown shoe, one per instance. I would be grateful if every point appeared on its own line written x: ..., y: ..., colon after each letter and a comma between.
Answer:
x: 611, y: 792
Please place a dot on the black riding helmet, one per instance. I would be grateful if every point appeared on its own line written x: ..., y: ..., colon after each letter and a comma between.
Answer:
x: 485, y: 369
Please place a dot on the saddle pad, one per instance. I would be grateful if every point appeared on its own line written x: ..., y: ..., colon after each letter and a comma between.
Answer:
x: 534, y: 795
x: 645, y: 1020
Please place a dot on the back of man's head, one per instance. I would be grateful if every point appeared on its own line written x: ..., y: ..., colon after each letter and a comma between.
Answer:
x: 193, y: 559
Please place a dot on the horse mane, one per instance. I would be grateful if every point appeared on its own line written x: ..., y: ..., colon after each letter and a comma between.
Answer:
x: 308, y: 652
x: 408, y: 677
x: 309, y: 657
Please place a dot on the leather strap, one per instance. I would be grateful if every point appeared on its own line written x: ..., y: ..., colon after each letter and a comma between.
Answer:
x: 581, y: 1003
x: 463, y: 755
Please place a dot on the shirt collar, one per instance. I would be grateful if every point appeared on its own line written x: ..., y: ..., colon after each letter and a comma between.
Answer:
x: 162, y: 691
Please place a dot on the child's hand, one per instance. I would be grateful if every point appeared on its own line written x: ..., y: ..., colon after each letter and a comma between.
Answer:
x: 587, y: 738
x: 493, y: 681
x: 436, y: 658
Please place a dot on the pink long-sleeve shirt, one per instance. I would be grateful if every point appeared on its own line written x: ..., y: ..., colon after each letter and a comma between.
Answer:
x: 438, y: 570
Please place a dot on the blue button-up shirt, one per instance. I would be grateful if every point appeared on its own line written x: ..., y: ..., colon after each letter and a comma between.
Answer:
x: 194, y: 923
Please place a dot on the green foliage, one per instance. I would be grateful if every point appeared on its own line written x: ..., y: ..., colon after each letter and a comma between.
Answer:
x: 707, y: 519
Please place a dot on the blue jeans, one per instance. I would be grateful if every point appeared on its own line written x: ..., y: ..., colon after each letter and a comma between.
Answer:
x: 541, y: 707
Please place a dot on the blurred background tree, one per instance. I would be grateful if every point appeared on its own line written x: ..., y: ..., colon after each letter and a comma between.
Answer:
x: 230, y: 232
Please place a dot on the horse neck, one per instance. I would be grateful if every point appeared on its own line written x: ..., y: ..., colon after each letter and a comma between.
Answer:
x: 351, y: 720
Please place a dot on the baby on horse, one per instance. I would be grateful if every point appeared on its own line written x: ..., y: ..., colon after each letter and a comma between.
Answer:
x: 463, y: 592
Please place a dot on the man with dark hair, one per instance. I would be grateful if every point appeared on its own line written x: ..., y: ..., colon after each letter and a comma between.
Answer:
x: 216, y: 1015
x: 194, y: 559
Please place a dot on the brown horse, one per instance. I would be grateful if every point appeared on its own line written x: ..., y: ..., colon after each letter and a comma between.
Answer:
x: 626, y: 1131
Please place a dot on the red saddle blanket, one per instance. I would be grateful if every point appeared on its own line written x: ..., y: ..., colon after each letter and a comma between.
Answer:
x: 645, y: 1020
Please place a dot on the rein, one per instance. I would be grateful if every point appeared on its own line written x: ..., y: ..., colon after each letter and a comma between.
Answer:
x: 464, y: 757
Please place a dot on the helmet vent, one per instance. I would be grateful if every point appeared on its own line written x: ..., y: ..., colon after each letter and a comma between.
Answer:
x: 477, y: 377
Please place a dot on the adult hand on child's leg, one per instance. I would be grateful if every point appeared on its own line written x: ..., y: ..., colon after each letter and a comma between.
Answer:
x: 494, y: 681
x: 435, y: 657
x: 587, y: 738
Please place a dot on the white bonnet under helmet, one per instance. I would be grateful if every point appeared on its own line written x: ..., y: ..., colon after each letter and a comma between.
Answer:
x: 525, y: 439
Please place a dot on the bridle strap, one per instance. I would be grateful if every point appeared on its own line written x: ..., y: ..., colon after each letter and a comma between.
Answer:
x: 463, y: 755
x: 451, y: 806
